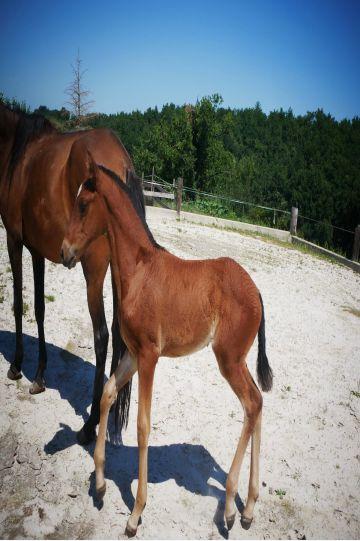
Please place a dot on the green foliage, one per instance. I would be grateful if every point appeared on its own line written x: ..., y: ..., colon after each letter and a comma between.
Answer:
x: 277, y: 160
x: 211, y: 207
x: 280, y: 492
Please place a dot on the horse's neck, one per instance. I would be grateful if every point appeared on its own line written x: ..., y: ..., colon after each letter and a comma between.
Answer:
x: 129, y: 241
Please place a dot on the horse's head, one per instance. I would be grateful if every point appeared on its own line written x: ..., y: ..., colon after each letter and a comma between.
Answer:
x: 88, y: 221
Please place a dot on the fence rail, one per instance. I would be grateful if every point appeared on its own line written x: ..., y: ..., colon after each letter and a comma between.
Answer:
x: 323, y: 233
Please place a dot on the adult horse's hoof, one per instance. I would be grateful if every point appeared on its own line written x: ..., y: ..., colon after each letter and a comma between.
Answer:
x: 246, y: 522
x: 37, y: 386
x: 230, y: 521
x: 14, y: 373
x: 84, y: 437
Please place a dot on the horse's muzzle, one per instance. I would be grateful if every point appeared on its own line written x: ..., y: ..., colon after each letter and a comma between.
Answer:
x: 68, y: 255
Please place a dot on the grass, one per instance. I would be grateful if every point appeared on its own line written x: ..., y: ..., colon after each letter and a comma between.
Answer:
x: 49, y: 298
x: 356, y: 393
x: 280, y: 492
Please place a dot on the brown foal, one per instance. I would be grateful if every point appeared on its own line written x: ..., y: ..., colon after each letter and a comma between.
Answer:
x: 171, y: 307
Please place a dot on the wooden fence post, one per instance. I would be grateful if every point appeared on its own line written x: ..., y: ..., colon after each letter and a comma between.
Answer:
x: 179, y: 189
x: 294, y: 217
x: 356, y: 247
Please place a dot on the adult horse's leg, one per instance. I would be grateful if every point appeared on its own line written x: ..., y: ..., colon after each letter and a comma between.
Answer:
x: 243, y: 385
x: 95, y: 265
x: 38, y: 384
x: 146, y: 370
x: 124, y: 372
x: 15, y: 249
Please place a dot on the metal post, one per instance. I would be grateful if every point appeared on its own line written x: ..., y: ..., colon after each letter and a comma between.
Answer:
x: 294, y: 217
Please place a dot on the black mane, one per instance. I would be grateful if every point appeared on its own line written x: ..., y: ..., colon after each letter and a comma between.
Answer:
x: 29, y: 127
x: 133, y: 189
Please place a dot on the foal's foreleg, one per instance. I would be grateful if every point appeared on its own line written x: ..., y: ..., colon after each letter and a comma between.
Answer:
x: 125, y: 370
x: 15, y: 249
x: 146, y: 377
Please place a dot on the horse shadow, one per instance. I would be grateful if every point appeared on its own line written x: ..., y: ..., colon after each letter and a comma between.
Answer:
x: 190, y: 466
x: 67, y: 373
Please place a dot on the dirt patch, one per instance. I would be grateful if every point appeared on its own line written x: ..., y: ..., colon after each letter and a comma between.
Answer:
x: 310, y: 453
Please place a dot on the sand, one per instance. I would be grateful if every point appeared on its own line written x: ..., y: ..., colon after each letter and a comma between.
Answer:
x: 310, y: 441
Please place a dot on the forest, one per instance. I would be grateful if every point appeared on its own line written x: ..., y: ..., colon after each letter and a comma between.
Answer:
x: 278, y: 160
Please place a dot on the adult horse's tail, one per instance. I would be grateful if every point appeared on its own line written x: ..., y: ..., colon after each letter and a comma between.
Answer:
x: 122, y: 404
x: 264, y: 372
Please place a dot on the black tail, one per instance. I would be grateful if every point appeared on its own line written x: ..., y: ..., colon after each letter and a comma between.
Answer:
x: 122, y: 404
x: 264, y: 372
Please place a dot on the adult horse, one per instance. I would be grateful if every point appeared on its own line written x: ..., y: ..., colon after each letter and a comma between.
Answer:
x: 40, y: 173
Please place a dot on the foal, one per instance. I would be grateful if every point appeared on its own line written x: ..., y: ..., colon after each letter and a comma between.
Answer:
x: 171, y: 307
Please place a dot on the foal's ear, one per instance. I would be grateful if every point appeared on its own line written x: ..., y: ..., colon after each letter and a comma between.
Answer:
x: 92, y: 165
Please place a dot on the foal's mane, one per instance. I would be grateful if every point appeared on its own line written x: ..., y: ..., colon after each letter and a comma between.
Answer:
x: 133, y: 190
x: 29, y: 127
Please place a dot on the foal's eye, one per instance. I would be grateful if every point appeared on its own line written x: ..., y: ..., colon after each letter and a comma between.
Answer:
x: 82, y: 207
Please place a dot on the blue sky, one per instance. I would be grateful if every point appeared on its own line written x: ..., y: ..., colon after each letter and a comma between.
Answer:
x: 298, y: 54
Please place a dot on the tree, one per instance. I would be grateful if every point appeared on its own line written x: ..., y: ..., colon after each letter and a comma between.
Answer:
x: 77, y: 93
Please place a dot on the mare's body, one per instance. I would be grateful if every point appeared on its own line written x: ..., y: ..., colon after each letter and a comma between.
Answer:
x: 40, y: 172
x: 170, y: 306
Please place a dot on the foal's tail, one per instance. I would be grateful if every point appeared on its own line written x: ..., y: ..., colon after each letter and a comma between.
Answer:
x: 122, y: 404
x: 264, y: 372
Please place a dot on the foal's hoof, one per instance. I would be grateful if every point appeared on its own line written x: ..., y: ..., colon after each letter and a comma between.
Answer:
x: 37, y: 386
x: 130, y: 531
x: 230, y: 521
x: 100, y: 492
x: 14, y: 373
x: 246, y: 522
x: 84, y: 437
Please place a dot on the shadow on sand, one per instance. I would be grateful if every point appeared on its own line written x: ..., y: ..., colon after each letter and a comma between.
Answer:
x: 69, y: 374
x: 191, y: 466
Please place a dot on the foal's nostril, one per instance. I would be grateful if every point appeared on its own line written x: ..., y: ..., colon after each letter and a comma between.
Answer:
x: 62, y: 254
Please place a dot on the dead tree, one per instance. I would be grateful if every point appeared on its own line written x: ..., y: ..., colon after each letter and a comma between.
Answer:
x: 77, y: 93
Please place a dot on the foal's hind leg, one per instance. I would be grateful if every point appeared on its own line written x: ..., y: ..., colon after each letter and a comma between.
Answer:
x: 240, y: 380
x: 38, y: 384
x: 15, y: 249
x: 125, y: 370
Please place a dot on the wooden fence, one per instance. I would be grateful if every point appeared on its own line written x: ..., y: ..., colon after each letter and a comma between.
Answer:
x: 156, y: 187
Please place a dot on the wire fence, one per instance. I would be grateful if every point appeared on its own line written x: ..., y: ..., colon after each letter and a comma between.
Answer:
x: 323, y: 233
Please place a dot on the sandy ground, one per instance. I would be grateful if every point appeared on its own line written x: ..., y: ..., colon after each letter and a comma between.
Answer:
x: 310, y: 444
